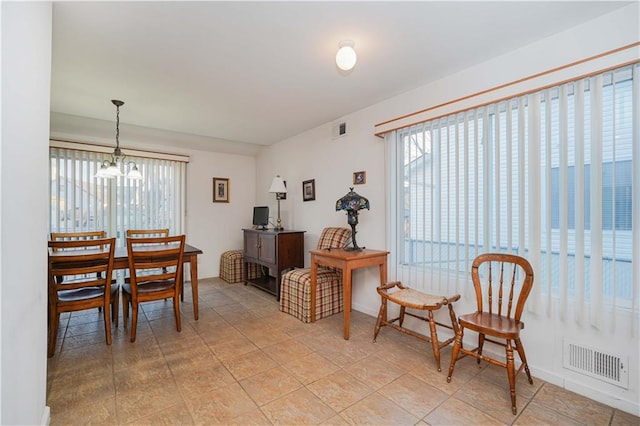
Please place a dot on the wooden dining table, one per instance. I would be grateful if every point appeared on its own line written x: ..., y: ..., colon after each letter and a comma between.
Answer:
x: 121, y: 261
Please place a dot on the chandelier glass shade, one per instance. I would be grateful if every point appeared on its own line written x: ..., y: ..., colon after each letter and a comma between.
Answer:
x: 113, y: 168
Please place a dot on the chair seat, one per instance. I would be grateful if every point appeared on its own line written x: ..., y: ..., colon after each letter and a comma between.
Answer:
x: 410, y: 298
x: 150, y: 287
x: 85, y: 293
x: 492, y: 324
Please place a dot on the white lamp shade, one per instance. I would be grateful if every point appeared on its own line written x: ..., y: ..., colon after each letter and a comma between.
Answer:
x: 346, y: 57
x: 134, y: 173
x: 277, y: 185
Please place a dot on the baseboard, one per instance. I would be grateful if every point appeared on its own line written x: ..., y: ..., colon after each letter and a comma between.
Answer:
x: 46, y: 416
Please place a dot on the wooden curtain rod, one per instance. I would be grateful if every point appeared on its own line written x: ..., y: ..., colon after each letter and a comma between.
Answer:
x: 502, y: 86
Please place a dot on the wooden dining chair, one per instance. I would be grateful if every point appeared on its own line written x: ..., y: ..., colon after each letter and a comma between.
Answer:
x: 155, y: 266
x: 499, y: 281
x: 70, y: 236
x: 147, y: 233
x: 85, y: 266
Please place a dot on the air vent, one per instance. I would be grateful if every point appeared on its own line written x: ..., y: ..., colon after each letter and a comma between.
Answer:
x: 605, y: 366
x: 338, y: 130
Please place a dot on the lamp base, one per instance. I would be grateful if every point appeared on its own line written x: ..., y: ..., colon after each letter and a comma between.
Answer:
x: 278, y: 228
x: 354, y: 248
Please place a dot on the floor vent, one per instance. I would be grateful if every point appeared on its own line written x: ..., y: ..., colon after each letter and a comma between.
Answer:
x: 608, y: 367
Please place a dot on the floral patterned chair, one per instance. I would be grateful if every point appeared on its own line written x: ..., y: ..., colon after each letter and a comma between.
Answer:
x: 295, y: 291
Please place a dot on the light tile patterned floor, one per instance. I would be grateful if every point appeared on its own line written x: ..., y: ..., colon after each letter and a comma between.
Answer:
x: 244, y: 363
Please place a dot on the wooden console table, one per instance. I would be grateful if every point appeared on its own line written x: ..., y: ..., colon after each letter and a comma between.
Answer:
x: 277, y: 250
x: 347, y: 261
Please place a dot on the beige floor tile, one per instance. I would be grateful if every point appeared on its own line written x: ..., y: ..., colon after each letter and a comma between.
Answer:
x: 572, y: 405
x: 145, y: 400
x: 270, y: 385
x: 232, y: 348
x: 202, y: 378
x: 101, y: 411
x: 377, y: 410
x: 221, y: 405
x: 249, y: 364
x: 491, y: 398
x: 310, y: 368
x: 297, y: 408
x: 536, y: 414
x: 456, y: 412
x: 174, y: 415
x: 621, y: 418
x: 374, y: 372
x: 414, y: 395
x: 287, y: 350
x: 339, y: 390
x: 68, y: 391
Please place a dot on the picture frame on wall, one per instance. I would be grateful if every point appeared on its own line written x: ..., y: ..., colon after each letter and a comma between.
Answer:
x: 359, y: 177
x: 309, y: 190
x: 220, y: 190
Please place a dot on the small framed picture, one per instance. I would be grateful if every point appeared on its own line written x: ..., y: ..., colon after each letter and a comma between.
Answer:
x: 309, y: 190
x: 359, y: 178
x: 282, y: 195
x: 220, y: 190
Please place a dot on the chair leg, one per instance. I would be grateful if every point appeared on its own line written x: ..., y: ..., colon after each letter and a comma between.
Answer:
x: 512, y: 376
x: 523, y: 358
x: 125, y: 309
x: 115, y: 310
x: 54, y: 320
x: 457, y: 344
x: 402, y: 309
x: 434, y: 340
x: 134, y: 320
x: 107, y: 323
x: 480, y: 345
x: 382, y: 314
x: 176, y: 311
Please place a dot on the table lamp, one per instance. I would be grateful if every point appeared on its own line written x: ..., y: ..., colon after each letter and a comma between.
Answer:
x: 352, y: 202
x: 278, y: 188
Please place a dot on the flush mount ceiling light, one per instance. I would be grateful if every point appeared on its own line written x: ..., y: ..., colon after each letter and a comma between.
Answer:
x: 346, y: 57
x: 112, y: 168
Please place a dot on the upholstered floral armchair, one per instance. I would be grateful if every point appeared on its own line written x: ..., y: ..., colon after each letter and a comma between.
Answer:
x: 295, y: 291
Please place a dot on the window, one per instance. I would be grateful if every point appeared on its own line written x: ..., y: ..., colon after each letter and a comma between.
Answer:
x: 547, y: 175
x: 81, y: 202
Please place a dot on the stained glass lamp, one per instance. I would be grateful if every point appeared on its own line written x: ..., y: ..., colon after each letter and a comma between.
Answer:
x: 352, y: 202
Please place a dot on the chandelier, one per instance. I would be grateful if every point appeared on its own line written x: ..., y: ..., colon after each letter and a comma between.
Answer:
x: 113, y: 168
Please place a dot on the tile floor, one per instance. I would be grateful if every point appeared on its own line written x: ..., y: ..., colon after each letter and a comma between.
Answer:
x: 244, y: 362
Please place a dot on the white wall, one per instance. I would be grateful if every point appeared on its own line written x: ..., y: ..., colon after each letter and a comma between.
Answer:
x: 331, y: 162
x: 26, y: 70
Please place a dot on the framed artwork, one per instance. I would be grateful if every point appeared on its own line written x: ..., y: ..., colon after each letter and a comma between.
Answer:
x: 309, y: 190
x: 282, y: 195
x: 220, y: 190
x: 359, y: 177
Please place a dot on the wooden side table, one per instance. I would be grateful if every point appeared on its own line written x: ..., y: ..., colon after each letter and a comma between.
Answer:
x: 347, y: 261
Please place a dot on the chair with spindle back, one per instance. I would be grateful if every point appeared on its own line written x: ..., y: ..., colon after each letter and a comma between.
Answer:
x: 499, y: 281
x: 85, y: 266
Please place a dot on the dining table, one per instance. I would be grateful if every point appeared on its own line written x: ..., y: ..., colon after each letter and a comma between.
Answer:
x: 121, y: 261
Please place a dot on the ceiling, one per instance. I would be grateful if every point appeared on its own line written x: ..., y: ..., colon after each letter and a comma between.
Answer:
x: 260, y: 72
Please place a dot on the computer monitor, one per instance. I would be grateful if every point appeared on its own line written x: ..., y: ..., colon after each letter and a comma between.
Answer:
x: 261, y: 217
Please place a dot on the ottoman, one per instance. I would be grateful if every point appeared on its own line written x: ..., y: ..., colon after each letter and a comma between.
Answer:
x: 231, y: 267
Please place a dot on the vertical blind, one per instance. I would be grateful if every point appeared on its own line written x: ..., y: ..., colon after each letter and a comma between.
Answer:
x: 81, y: 202
x: 550, y: 175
